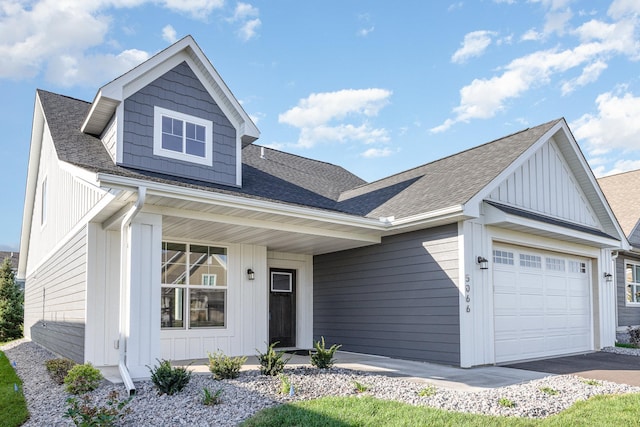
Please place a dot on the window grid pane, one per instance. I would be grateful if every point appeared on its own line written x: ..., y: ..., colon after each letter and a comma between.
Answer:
x: 503, y: 257
x: 531, y: 261
x: 633, y: 283
x: 555, y: 264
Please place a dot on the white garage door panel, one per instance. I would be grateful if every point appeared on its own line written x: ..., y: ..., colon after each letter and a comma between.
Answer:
x: 541, y: 304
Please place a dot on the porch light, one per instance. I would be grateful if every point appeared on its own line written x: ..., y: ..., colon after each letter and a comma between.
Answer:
x: 484, y: 264
x: 608, y: 277
x: 250, y: 274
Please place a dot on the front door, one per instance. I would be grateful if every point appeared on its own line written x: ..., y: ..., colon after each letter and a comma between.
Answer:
x: 282, y: 307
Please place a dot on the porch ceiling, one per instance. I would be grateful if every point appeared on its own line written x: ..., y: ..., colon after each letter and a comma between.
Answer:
x: 208, y: 222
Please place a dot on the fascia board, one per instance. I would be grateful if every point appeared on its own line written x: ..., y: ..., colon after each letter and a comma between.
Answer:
x: 191, y: 194
x: 425, y: 220
x: 37, y: 131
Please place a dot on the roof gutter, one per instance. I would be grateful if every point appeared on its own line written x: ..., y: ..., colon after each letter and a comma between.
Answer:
x: 125, y: 288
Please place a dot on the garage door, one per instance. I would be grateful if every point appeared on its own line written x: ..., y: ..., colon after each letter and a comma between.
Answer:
x: 542, y: 304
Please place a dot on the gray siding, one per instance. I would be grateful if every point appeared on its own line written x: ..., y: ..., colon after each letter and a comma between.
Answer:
x: 627, y: 315
x: 57, y: 321
x: 177, y: 90
x: 396, y: 299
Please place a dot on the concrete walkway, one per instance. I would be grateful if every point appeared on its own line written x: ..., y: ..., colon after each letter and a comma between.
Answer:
x: 472, y: 379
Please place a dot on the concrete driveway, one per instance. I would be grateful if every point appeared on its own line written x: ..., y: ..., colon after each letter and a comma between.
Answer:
x: 618, y: 368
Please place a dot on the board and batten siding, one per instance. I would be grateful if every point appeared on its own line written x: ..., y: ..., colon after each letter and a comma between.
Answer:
x: 628, y: 315
x: 177, y: 90
x: 54, y: 309
x: 545, y: 184
x: 109, y: 137
x: 398, y: 299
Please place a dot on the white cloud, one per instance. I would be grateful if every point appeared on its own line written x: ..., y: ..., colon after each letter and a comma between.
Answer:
x: 169, y: 34
x: 51, y: 34
x: 615, y: 126
x: 474, y: 44
x: 532, y: 35
x: 247, y: 16
x: 599, y: 42
x: 622, y: 8
x: 372, y: 153
x: 364, y: 32
x: 316, y: 116
x: 590, y: 74
x: 618, y: 167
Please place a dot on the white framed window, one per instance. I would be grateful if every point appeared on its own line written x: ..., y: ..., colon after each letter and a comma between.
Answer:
x: 555, y: 264
x: 43, y: 201
x: 530, y: 261
x: 632, y: 282
x: 577, y: 267
x: 194, y: 286
x: 502, y: 257
x: 281, y: 281
x: 182, y: 136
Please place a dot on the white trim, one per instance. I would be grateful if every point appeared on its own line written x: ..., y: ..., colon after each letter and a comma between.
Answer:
x: 628, y: 303
x: 281, y: 273
x: 159, y: 113
x: 44, y: 198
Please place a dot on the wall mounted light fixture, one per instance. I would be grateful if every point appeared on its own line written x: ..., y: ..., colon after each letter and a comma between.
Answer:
x: 250, y: 274
x: 484, y: 264
x: 608, y: 277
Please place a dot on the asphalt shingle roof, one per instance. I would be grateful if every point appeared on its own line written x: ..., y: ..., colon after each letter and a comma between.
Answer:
x: 623, y: 194
x: 292, y: 179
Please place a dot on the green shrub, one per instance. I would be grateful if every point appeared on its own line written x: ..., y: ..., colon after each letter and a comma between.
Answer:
x: 634, y: 336
x: 360, y: 388
x: 83, y: 413
x: 323, y: 357
x: 168, y: 379
x: 11, y: 304
x: 222, y: 366
x: 506, y: 403
x: 209, y: 398
x: 427, y: 391
x: 82, y: 379
x: 272, y: 362
x: 548, y: 390
x: 285, y: 384
x: 59, y: 368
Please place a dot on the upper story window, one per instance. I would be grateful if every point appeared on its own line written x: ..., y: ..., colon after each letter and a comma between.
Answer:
x: 182, y: 137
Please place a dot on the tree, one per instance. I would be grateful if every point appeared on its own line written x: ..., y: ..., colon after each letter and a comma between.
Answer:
x: 11, y: 304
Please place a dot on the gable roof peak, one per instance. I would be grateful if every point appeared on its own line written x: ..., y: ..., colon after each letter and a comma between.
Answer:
x: 186, y: 50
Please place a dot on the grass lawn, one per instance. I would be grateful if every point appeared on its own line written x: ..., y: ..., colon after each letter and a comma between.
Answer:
x: 623, y: 410
x: 13, y: 407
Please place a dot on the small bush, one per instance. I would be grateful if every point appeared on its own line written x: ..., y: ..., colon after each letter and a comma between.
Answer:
x: 323, y: 357
x: 506, y: 403
x: 285, y: 384
x: 225, y: 367
x: 272, y: 362
x: 59, y: 368
x: 83, y: 413
x: 168, y: 379
x: 634, y: 336
x: 82, y: 379
x: 427, y: 391
x: 548, y: 390
x: 211, y: 399
x: 591, y: 382
x: 360, y: 388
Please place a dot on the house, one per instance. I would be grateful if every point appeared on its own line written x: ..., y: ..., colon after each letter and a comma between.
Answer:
x: 623, y: 193
x: 154, y: 227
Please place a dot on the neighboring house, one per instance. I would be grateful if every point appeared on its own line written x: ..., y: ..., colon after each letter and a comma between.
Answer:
x: 623, y: 194
x: 13, y: 257
x: 154, y: 228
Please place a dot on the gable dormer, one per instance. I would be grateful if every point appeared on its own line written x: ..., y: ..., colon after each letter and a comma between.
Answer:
x: 173, y: 115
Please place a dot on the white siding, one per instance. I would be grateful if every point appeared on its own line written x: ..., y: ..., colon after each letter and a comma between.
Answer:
x: 545, y: 184
x: 109, y: 138
x: 55, y: 300
x: 68, y: 201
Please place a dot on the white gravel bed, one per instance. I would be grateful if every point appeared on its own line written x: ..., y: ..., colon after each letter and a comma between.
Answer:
x: 252, y: 392
x: 622, y: 350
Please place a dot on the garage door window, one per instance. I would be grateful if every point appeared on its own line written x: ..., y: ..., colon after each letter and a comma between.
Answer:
x: 577, y: 267
x: 503, y: 257
x: 633, y: 283
x: 531, y: 261
x: 554, y: 264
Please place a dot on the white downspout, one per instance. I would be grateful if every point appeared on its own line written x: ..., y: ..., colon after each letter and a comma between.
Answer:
x: 125, y: 288
x: 614, y: 257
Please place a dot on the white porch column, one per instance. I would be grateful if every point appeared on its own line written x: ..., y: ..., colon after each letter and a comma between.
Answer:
x: 142, y: 314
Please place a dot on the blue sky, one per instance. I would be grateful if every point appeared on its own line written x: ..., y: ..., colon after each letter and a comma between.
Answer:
x: 374, y: 86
